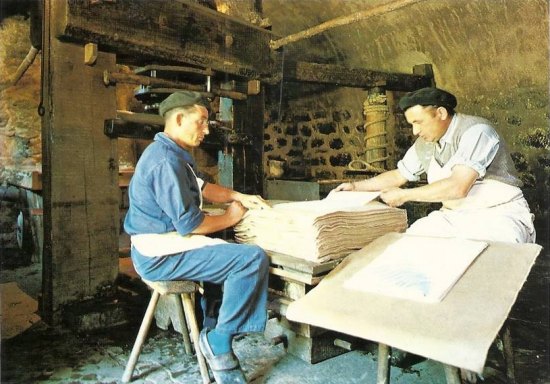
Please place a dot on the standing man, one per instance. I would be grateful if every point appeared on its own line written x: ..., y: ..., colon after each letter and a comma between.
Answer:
x: 469, y: 171
x: 168, y: 228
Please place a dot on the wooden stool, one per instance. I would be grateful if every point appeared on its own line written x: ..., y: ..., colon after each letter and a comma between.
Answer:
x: 184, y: 289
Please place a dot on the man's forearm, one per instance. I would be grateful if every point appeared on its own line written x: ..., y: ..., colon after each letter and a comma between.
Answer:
x: 390, y: 179
x: 215, y: 223
x: 218, y: 194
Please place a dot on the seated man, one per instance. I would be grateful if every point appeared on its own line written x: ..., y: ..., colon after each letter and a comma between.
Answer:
x: 468, y: 169
x: 167, y: 228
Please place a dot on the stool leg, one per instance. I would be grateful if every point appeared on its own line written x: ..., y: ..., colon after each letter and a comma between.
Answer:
x: 190, y: 311
x: 142, y: 334
x: 184, y: 331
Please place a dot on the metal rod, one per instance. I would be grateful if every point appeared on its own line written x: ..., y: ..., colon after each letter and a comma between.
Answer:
x: 173, y: 68
x: 170, y: 85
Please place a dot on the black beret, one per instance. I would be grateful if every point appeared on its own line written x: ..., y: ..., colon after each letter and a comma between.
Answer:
x: 428, y: 96
x: 181, y: 99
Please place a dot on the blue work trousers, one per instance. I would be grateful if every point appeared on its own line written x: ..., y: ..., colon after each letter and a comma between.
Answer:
x: 242, y: 270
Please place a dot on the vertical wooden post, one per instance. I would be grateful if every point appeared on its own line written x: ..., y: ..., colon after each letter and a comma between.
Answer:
x: 80, y: 172
x: 249, y: 119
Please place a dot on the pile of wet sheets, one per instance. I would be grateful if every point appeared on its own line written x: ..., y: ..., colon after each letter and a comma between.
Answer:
x: 320, y: 230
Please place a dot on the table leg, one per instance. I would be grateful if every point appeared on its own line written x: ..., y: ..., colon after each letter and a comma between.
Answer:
x: 508, y: 354
x: 384, y: 356
x: 452, y: 374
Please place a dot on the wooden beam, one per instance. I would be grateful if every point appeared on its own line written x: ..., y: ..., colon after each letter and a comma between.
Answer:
x: 170, y: 31
x: 353, y: 77
x: 249, y: 121
x: 344, y: 20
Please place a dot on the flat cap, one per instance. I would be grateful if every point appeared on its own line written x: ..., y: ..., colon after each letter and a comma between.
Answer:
x: 428, y: 96
x: 181, y: 99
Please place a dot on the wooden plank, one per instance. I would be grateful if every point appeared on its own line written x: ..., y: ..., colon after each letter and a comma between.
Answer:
x: 173, y: 31
x: 353, y: 77
x: 301, y: 265
x: 80, y: 181
x: 290, y: 289
x: 296, y: 276
x: 24, y: 177
x: 343, y: 20
x: 32, y: 179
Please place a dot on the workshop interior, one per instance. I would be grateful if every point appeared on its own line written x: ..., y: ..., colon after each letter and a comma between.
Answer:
x: 303, y: 97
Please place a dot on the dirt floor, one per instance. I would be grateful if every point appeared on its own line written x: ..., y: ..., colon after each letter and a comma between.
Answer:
x: 42, y: 354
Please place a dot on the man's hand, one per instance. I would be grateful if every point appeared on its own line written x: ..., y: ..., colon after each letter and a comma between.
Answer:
x: 252, y: 201
x: 344, y: 187
x: 235, y: 212
x: 394, y: 197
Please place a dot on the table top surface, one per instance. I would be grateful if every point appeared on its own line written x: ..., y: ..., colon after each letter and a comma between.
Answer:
x: 457, y: 331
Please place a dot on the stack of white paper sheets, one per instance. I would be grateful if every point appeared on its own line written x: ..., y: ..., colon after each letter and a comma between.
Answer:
x: 321, y: 230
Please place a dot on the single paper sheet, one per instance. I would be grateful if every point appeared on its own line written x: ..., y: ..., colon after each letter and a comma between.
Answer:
x: 417, y: 268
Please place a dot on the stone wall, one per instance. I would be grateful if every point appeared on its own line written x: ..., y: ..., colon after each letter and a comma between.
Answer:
x: 20, y: 129
x: 20, y: 126
x: 319, y: 130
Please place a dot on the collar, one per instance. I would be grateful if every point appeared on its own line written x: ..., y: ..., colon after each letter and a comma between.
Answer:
x: 447, y: 137
x: 163, y: 139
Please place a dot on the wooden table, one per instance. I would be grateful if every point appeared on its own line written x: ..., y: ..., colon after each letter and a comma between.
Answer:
x: 456, y: 331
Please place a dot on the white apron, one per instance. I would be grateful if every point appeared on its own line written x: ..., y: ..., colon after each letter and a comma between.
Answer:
x: 492, y: 210
x: 162, y: 244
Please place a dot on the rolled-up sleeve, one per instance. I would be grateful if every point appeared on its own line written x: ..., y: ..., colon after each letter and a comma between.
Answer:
x: 477, y: 148
x: 410, y: 166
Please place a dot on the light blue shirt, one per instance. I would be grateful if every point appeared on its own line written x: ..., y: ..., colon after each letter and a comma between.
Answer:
x: 164, y: 194
x: 477, y: 149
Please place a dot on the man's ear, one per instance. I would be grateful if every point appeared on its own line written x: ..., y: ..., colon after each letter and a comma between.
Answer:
x: 443, y: 113
x: 179, y: 118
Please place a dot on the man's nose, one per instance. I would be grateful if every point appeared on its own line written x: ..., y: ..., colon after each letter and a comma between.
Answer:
x: 206, y: 129
x: 416, y: 129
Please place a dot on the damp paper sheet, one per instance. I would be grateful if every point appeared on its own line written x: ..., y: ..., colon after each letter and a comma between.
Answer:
x: 417, y: 268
